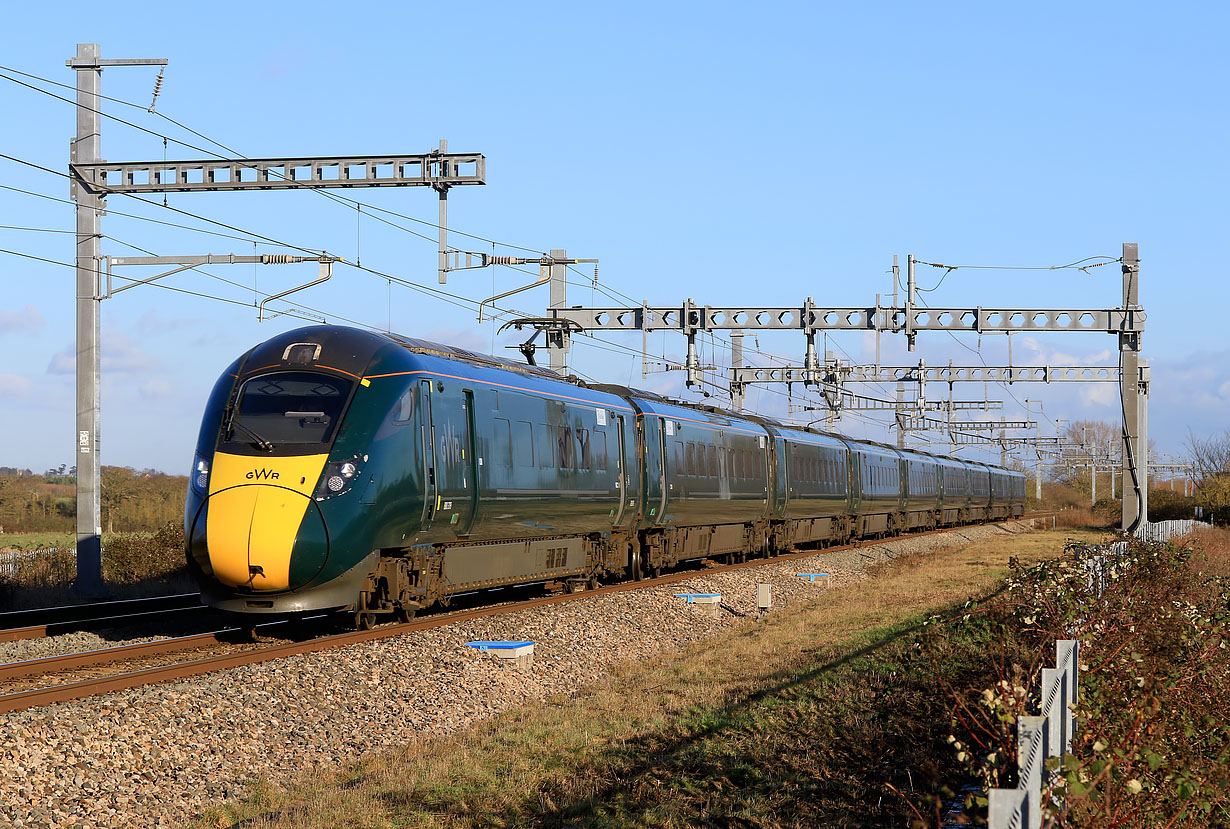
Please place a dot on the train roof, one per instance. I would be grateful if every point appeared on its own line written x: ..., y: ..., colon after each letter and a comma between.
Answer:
x: 645, y: 400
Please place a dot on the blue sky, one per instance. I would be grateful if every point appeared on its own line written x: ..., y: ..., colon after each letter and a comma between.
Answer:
x: 732, y: 153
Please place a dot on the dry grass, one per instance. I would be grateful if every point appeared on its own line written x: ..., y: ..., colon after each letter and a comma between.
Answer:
x: 1082, y: 517
x: 1214, y: 543
x: 655, y: 743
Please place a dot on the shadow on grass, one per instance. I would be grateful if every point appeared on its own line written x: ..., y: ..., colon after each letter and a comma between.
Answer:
x: 816, y: 748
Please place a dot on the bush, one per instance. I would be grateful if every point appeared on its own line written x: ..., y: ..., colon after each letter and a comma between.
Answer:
x: 1153, y: 743
x: 136, y: 557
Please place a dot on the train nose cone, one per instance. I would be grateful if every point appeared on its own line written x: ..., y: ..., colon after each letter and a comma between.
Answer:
x: 252, y: 531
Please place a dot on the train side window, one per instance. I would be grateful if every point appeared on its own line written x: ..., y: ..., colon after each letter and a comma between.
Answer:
x: 564, y: 444
x: 690, y: 459
x: 680, y: 469
x: 404, y: 409
x: 501, y: 450
x: 702, y: 461
x: 545, y: 447
x: 713, y: 461
x: 523, y: 443
x: 585, y: 460
x: 600, y: 450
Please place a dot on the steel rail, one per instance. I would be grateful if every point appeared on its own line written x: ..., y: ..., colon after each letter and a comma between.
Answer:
x: 183, y: 670
x: 57, y: 628
x: 102, y: 656
x: 39, y: 622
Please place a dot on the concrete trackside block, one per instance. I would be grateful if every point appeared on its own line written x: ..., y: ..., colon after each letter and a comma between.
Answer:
x: 764, y: 600
x: 520, y: 654
x: 706, y: 603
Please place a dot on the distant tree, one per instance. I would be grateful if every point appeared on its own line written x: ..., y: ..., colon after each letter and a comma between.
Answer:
x: 117, y: 485
x: 1211, y: 460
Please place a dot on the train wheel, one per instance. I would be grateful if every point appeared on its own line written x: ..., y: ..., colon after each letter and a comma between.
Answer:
x: 403, y: 614
x: 634, y: 565
x: 364, y: 620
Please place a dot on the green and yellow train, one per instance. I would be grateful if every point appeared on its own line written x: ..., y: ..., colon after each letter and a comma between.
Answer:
x: 338, y: 469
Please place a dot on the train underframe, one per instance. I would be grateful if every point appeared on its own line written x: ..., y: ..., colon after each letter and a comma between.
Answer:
x: 408, y: 580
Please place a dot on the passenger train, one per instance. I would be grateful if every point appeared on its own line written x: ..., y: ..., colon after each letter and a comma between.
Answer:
x: 338, y: 469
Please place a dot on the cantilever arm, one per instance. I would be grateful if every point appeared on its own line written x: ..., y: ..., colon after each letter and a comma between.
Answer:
x: 326, y: 271
x: 544, y: 275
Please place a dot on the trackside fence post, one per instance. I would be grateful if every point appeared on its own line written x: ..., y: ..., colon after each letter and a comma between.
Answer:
x: 1038, y: 739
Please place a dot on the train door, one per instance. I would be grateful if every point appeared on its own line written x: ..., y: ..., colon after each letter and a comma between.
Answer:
x: 428, y: 441
x: 779, y: 472
x: 452, y: 427
x: 854, y: 481
x: 621, y: 464
x: 653, y: 433
x: 662, y: 488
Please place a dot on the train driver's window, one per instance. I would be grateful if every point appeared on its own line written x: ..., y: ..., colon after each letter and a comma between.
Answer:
x: 404, y: 408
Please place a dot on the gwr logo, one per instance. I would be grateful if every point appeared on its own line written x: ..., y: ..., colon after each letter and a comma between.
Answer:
x: 262, y: 474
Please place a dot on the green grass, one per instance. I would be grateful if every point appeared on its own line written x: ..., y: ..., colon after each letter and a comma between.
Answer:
x: 10, y: 542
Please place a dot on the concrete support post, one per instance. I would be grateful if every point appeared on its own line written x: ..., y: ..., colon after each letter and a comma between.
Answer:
x: 1133, y: 512
x: 559, y: 342
x: 86, y: 149
x: 736, y: 361
x: 442, y: 189
x: 1142, y: 400
x: 901, y: 415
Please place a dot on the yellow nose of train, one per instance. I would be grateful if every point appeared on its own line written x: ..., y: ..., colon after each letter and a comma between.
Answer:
x: 258, y: 507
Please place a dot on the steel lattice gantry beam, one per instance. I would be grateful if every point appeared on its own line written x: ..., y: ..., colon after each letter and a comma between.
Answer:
x: 917, y: 423
x: 432, y: 169
x: 858, y: 403
x: 690, y: 319
x: 940, y: 374
x: 811, y: 317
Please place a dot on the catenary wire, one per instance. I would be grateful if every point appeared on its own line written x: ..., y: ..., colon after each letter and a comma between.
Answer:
x: 442, y: 295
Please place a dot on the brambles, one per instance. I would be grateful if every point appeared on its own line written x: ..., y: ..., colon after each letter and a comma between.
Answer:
x: 1153, y: 742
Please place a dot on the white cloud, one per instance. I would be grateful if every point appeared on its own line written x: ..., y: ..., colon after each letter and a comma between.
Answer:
x: 120, y: 355
x: 461, y: 339
x: 14, y: 322
x: 1100, y: 394
x: 63, y: 362
x: 157, y: 389
x: 155, y: 321
x: 15, y: 385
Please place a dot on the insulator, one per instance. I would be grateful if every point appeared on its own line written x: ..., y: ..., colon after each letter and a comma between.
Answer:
x: 157, y: 89
x: 277, y: 259
x: 503, y: 260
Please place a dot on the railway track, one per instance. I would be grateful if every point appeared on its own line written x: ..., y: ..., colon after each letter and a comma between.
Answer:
x: 18, y: 625
x: 236, y: 654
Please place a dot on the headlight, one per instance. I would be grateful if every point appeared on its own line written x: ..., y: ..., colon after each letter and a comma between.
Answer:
x: 338, y: 477
x: 200, y: 475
